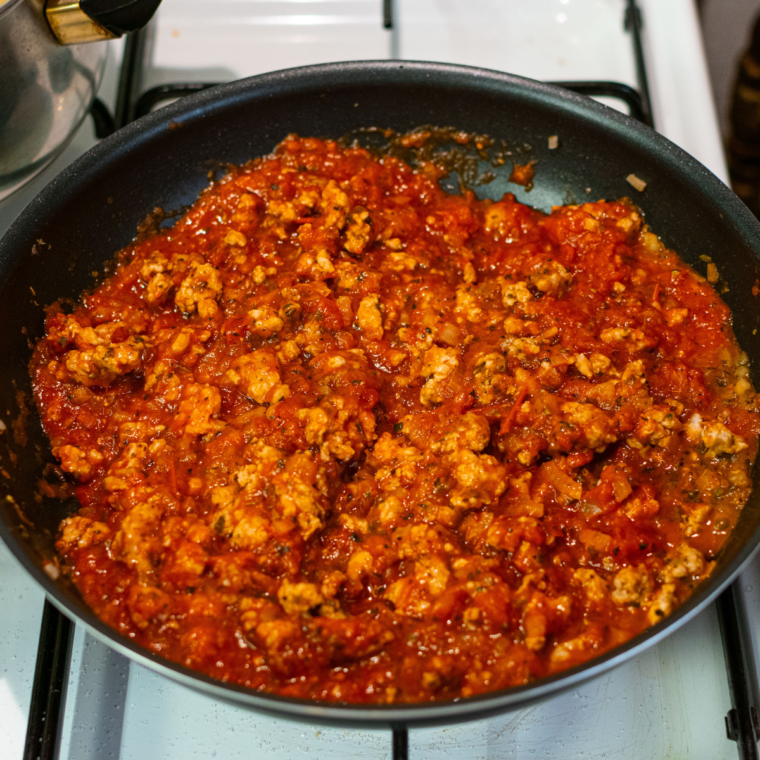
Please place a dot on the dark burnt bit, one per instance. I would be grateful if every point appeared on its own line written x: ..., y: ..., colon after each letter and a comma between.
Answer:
x: 20, y: 435
x: 152, y: 223
x: 40, y: 246
x: 25, y: 521
x: 54, y: 484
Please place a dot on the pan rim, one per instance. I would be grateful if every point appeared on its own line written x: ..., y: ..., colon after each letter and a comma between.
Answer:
x: 287, y: 82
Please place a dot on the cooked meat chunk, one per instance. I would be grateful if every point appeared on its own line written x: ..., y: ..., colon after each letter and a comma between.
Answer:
x: 714, y: 436
x: 258, y: 374
x: 514, y: 293
x: 199, y: 289
x: 438, y: 365
x: 631, y: 586
x: 82, y: 532
x: 369, y: 317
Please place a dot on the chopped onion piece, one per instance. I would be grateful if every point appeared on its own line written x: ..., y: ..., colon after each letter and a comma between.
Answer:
x: 621, y: 487
x: 450, y: 334
x: 53, y: 572
x: 562, y: 481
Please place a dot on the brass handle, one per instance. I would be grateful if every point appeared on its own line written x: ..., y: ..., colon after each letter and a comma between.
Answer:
x: 72, y: 26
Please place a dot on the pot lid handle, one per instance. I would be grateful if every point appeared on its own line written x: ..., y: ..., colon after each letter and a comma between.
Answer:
x: 77, y: 21
x: 120, y: 16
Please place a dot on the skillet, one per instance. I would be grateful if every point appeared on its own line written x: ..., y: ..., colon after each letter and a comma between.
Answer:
x: 93, y: 208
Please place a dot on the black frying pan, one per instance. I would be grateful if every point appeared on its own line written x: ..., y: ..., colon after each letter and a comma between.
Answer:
x: 93, y: 208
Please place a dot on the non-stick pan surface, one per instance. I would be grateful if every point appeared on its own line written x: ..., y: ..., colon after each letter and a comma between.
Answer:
x: 93, y: 208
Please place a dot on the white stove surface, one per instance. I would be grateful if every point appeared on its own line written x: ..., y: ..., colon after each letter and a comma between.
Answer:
x: 669, y: 702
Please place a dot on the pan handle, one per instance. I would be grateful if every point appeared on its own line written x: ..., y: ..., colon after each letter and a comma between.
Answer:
x: 75, y: 22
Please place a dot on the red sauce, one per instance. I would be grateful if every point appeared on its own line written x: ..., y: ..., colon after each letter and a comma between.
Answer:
x: 342, y: 436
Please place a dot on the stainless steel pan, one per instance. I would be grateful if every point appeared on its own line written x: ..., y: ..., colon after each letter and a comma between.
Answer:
x: 50, y: 74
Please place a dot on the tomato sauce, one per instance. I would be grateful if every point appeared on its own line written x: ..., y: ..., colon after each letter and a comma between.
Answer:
x: 339, y: 435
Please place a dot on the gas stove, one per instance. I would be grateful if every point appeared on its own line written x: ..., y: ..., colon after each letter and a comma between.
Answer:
x: 671, y: 701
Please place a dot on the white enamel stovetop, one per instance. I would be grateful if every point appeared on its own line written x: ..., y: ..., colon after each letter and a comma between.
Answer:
x: 669, y: 702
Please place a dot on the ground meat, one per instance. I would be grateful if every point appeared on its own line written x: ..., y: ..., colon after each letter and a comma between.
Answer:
x: 353, y: 439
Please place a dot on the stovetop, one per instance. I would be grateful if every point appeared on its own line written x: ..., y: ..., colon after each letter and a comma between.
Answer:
x: 669, y: 702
